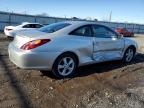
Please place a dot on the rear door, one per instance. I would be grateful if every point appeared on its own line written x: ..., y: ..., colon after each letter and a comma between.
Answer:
x: 107, y: 45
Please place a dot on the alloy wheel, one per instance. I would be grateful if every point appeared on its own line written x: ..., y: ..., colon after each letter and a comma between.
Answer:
x: 129, y: 55
x: 66, y: 66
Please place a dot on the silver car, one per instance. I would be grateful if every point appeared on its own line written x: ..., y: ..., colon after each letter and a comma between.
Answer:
x: 62, y: 47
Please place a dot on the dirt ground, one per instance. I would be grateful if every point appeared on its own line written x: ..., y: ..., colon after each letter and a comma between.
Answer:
x: 104, y: 85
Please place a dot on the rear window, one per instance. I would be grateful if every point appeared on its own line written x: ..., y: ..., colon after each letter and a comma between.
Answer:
x: 53, y: 27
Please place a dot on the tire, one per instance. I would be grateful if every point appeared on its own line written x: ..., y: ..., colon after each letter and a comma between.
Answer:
x: 9, y: 37
x: 132, y: 35
x: 65, y: 66
x: 129, y: 55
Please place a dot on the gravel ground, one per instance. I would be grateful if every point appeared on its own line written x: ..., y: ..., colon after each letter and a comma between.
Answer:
x: 104, y: 85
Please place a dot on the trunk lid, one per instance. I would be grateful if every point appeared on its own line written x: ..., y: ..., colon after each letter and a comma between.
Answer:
x: 22, y: 37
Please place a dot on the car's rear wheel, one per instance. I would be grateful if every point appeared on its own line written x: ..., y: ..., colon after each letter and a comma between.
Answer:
x: 64, y: 66
x: 129, y: 55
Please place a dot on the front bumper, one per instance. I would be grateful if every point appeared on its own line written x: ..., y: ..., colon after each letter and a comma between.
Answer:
x: 32, y: 60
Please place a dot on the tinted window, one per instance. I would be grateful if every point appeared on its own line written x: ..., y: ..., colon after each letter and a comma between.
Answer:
x: 38, y: 26
x: 54, y: 27
x: 82, y: 31
x: 27, y: 26
x: 33, y: 25
x: 103, y: 32
x: 30, y: 26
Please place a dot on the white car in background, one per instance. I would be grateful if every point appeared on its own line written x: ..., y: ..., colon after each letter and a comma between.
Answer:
x: 11, y: 31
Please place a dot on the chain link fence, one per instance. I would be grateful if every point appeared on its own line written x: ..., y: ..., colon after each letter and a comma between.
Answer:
x: 14, y: 19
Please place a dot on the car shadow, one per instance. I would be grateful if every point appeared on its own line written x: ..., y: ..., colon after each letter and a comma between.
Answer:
x: 106, y: 66
x: 99, y: 67
x: 23, y: 99
x: 9, y: 39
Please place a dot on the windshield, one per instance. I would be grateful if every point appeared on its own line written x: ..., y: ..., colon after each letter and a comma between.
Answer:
x: 53, y: 27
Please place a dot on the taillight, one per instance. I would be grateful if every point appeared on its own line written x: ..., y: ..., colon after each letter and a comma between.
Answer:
x: 35, y: 43
x: 8, y: 29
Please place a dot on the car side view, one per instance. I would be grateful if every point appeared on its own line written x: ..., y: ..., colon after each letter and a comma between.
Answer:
x: 10, y: 31
x: 124, y: 32
x: 64, y: 46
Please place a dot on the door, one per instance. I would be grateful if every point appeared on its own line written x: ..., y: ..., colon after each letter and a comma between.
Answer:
x: 107, y: 45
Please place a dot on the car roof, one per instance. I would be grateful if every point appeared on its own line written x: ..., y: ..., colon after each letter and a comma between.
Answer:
x: 120, y: 28
x: 25, y: 23
x: 74, y: 25
x: 81, y: 22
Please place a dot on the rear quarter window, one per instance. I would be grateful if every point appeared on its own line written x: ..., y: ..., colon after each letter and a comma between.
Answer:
x: 82, y: 31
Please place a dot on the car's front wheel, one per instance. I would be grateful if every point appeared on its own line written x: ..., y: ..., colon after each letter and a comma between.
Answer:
x: 129, y: 55
x: 64, y: 66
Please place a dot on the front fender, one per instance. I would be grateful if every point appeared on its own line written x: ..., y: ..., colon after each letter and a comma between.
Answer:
x: 130, y: 42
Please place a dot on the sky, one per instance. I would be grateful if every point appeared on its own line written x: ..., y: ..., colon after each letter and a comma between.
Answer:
x: 121, y: 10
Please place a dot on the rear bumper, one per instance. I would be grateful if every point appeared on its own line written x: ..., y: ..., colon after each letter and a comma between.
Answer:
x: 32, y: 60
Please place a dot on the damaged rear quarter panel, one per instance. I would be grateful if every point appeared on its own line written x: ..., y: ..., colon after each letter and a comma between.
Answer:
x: 81, y: 46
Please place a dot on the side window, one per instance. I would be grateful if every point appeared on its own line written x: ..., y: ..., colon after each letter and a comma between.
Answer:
x: 30, y: 26
x: 27, y: 26
x: 82, y: 31
x: 125, y: 30
x: 33, y: 25
x: 103, y: 32
x: 38, y: 26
